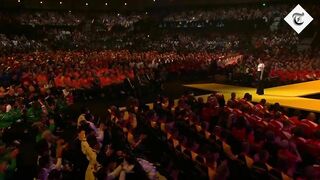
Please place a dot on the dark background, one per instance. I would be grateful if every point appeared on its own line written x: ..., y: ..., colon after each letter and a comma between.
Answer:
x: 137, y: 5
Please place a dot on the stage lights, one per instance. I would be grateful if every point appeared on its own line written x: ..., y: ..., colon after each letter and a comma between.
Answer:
x: 41, y: 2
x: 125, y: 4
x: 106, y: 4
x: 87, y: 4
x: 60, y: 2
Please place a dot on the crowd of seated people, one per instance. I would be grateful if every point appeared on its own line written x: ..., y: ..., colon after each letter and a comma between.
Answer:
x: 276, y: 41
x: 50, y: 34
x: 22, y: 74
x: 20, y: 44
x: 61, y: 69
x: 24, y: 77
x: 270, y: 14
x: 265, y: 16
x: 53, y: 18
x: 186, y: 42
x: 79, y: 37
x: 42, y: 18
x: 74, y: 18
x: 58, y: 147
x: 284, y: 67
x: 226, y: 139
x: 300, y: 69
x: 220, y: 138
x: 109, y: 21
x: 214, y: 138
x: 58, y: 39
x: 236, y: 13
x: 66, y: 39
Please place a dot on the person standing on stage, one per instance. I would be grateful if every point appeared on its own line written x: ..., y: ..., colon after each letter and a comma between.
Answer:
x: 260, y: 77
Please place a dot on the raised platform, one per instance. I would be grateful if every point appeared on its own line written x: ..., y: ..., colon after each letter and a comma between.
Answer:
x: 288, y: 95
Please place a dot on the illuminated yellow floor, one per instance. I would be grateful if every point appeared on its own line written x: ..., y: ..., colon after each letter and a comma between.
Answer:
x: 285, y: 95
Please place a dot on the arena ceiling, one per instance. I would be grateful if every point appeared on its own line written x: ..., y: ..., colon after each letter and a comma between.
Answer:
x: 118, y: 5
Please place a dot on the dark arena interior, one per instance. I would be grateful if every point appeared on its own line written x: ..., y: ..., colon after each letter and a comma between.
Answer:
x: 159, y: 89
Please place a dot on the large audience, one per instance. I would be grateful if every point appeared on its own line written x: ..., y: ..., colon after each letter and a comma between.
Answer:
x: 41, y: 18
x: 283, y: 68
x: 58, y: 27
x: 254, y: 140
x: 215, y: 139
x: 80, y: 69
x: 266, y: 14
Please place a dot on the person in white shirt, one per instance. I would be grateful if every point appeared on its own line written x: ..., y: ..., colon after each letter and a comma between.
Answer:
x: 260, y: 77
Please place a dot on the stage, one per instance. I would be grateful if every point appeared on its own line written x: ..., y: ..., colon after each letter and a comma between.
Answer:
x: 288, y: 95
